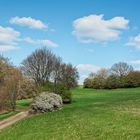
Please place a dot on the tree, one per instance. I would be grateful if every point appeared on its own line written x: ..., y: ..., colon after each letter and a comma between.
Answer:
x: 121, y: 69
x: 39, y: 65
x: 111, y: 82
x: 9, y: 83
x: 27, y: 89
x: 133, y: 79
x: 12, y: 80
x: 4, y: 65
x: 69, y: 76
x: 88, y: 83
x: 100, y: 78
x: 55, y: 75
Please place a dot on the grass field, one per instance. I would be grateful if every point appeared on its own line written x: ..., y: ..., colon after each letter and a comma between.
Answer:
x: 93, y: 115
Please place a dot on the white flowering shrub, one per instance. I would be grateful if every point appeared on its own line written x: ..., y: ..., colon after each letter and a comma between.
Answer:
x: 46, y: 102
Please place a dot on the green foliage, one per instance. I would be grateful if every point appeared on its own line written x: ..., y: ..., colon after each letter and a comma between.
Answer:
x: 88, y: 83
x: 59, y: 89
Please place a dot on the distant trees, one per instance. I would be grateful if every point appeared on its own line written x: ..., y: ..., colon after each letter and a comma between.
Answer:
x: 121, y: 69
x: 121, y: 75
x: 133, y: 79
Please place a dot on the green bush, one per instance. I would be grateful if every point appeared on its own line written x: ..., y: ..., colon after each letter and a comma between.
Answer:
x: 64, y: 93
x: 59, y: 89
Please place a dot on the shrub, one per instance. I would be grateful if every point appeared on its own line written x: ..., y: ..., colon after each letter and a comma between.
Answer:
x: 112, y: 82
x: 46, y: 102
x: 66, y: 95
x: 59, y: 89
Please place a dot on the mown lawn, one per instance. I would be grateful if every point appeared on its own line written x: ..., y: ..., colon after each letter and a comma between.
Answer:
x: 93, y: 115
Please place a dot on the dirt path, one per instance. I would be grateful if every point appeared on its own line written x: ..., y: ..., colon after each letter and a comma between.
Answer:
x: 13, y: 119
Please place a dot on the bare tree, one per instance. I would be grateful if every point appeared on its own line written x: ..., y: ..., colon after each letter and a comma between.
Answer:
x: 55, y: 75
x: 39, y: 65
x: 121, y: 69
x: 103, y: 73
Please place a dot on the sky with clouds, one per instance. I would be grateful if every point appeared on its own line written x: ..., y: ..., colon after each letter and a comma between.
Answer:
x: 88, y: 34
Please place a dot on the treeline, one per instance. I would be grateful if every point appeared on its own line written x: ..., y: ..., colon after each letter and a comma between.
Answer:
x: 120, y: 75
x: 40, y: 71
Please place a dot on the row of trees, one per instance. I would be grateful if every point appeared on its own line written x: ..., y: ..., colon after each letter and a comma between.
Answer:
x: 120, y: 75
x: 42, y: 70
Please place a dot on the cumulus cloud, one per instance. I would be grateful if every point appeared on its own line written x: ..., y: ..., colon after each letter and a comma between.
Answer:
x: 134, y: 41
x: 137, y: 62
x: 8, y: 39
x: 94, y: 28
x: 29, y: 22
x: 85, y: 69
x: 45, y: 42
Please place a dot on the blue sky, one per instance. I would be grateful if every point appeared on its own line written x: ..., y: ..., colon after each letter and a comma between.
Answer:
x: 89, y: 34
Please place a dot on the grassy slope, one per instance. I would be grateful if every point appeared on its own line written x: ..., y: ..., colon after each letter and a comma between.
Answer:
x: 93, y: 115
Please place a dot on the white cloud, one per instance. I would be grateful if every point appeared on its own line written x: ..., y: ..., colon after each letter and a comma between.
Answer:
x: 134, y: 41
x: 8, y: 39
x: 135, y: 62
x: 85, y: 69
x: 29, y: 22
x: 45, y: 42
x: 94, y: 28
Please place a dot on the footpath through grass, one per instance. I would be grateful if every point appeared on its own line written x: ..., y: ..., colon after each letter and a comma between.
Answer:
x: 93, y: 115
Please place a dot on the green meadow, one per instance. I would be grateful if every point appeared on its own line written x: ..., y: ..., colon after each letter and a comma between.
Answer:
x: 93, y: 115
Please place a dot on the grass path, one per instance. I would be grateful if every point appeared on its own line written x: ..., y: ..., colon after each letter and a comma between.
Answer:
x: 11, y: 120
